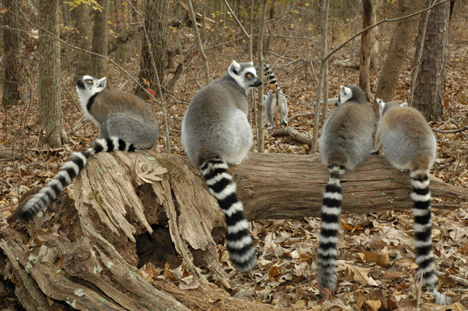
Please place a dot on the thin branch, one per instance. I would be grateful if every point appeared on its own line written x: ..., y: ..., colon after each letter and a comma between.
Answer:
x: 237, y: 20
x: 452, y: 131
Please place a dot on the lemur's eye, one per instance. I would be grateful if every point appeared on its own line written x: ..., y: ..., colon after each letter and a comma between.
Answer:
x: 249, y: 75
x: 89, y: 81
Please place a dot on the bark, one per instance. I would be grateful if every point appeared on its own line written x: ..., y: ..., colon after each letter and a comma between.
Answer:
x: 260, y: 106
x: 199, y: 42
x: 430, y: 82
x: 375, y: 35
x: 402, y: 41
x: 11, y: 46
x: 81, y: 38
x: 98, y: 68
x: 154, y: 47
x: 364, y: 65
x: 50, y: 109
x: 118, y: 200
x: 323, y: 74
x: 65, y: 13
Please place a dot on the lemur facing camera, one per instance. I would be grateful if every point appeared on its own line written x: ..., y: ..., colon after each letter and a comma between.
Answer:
x: 216, y: 134
x: 346, y: 143
x: 409, y: 144
x: 126, y: 122
x: 274, y: 101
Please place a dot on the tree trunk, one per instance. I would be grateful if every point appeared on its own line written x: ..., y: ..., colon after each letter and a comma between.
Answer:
x: 430, y: 82
x: 364, y: 67
x: 98, y: 66
x: 128, y: 211
x: 260, y: 106
x: 81, y: 38
x: 50, y: 109
x: 374, y: 53
x: 402, y: 41
x: 65, y: 13
x: 11, y: 46
x: 156, y: 25
x: 199, y: 43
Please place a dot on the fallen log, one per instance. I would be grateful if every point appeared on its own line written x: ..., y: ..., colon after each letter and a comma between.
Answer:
x: 120, y: 198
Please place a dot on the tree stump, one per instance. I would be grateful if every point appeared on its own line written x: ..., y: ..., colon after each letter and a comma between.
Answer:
x: 127, y: 206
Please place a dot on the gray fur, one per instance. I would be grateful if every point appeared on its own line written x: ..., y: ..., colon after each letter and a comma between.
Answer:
x: 410, y: 140
x: 216, y: 120
x: 216, y: 134
x: 347, y: 135
x: 275, y: 101
x: 118, y: 113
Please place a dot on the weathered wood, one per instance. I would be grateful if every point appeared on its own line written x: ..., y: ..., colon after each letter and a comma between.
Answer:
x: 291, y: 186
x: 117, y: 198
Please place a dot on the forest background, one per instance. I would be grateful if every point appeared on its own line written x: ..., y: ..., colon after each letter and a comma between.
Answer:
x: 48, y: 45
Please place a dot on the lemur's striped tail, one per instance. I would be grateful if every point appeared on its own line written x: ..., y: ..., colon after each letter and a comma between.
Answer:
x: 270, y: 76
x: 331, y: 210
x: 422, y: 233
x: 69, y: 170
x: 238, y: 240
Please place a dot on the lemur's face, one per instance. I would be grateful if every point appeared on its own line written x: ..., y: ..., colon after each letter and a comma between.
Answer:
x: 244, y: 74
x: 345, y: 94
x: 89, y: 85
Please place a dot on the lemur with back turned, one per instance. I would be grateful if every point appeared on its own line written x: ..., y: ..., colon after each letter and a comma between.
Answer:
x: 409, y: 144
x: 274, y: 101
x: 126, y: 122
x: 216, y: 134
x: 346, y: 142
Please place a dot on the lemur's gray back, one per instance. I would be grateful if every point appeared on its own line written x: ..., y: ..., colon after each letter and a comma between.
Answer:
x: 215, y: 122
x: 347, y: 135
x: 216, y: 134
x: 126, y: 116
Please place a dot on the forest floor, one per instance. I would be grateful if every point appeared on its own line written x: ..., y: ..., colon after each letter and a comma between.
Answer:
x: 376, y: 257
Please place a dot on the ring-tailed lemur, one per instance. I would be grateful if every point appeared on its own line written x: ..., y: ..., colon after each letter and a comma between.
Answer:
x: 274, y: 101
x: 346, y: 142
x: 215, y: 134
x: 126, y: 123
x: 409, y: 144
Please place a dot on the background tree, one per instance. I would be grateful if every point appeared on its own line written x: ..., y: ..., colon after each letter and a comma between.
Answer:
x: 81, y: 38
x: 402, y: 41
x: 100, y: 38
x: 430, y: 82
x: 364, y: 67
x: 11, y: 47
x: 50, y: 109
x: 154, y: 46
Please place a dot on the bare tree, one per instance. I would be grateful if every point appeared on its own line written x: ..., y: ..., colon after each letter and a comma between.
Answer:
x: 429, y: 86
x: 100, y: 39
x: 323, y: 75
x: 364, y: 67
x: 199, y: 43
x: 11, y: 47
x: 81, y: 37
x: 260, y: 138
x: 50, y: 109
x: 156, y: 20
x: 402, y: 40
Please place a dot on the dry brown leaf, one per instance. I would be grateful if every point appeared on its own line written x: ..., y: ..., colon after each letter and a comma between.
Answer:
x: 374, y: 304
x: 360, y: 300
x: 359, y: 274
x: 168, y: 273
x: 382, y: 258
x: 189, y: 283
x: 274, y: 273
x: 392, y: 274
x: 149, y: 175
